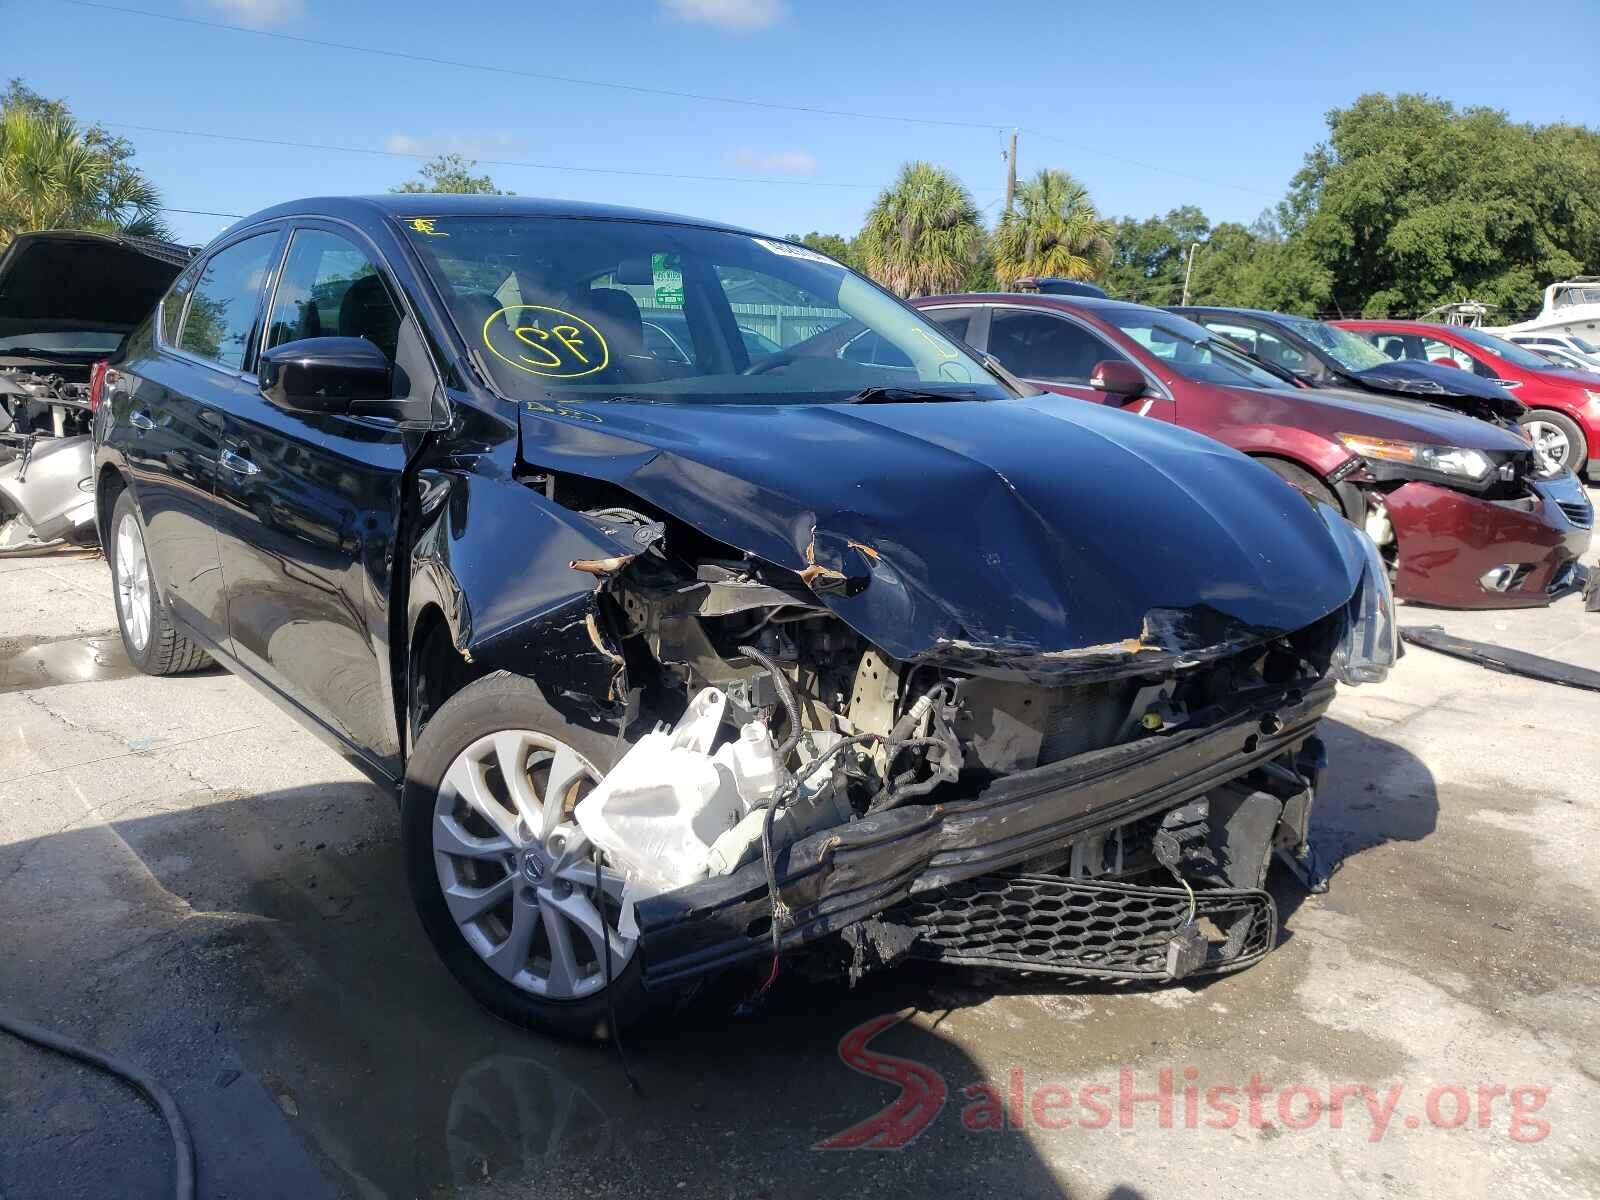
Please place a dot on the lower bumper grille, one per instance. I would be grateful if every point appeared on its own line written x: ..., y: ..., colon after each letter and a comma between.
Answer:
x: 1064, y: 926
x: 1579, y: 512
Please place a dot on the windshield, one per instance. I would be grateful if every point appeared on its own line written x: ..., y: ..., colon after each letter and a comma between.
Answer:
x: 1586, y: 346
x: 1509, y: 351
x: 581, y: 309
x: 1345, y: 348
x: 1189, y: 348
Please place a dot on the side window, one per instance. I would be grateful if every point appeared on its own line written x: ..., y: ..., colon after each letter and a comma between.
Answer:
x: 869, y: 349
x: 954, y: 321
x: 1239, y: 335
x: 172, y: 305
x: 774, y: 308
x: 1445, y: 354
x: 1279, y: 353
x: 1039, y: 345
x: 226, y: 301
x: 330, y: 288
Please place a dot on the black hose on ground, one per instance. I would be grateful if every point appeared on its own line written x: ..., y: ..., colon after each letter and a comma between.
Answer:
x: 163, y: 1100
x: 785, y: 696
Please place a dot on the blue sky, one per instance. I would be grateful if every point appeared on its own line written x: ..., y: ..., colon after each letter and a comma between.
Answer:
x: 1152, y: 105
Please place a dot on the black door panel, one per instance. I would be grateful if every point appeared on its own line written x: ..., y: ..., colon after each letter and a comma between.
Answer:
x: 309, y: 504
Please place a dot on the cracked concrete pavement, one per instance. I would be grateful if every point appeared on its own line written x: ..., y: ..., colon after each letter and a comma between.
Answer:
x: 191, y: 881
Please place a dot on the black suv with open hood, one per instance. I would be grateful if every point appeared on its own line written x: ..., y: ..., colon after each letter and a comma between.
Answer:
x: 679, y: 664
x: 1322, y: 355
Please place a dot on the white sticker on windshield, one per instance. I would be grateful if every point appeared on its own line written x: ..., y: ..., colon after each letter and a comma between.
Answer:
x: 792, y: 251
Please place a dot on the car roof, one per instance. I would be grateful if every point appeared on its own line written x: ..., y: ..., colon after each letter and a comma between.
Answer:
x: 1090, y: 304
x: 1242, y: 312
x: 403, y: 205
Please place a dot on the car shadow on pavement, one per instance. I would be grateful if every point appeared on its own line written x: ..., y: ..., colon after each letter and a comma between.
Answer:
x: 266, y: 945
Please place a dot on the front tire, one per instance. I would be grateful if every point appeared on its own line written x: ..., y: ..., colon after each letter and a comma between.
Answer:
x: 151, y: 640
x: 1556, y: 438
x: 501, y: 877
x: 1302, y: 480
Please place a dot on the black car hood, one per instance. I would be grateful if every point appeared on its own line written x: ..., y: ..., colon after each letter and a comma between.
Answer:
x: 1019, y: 536
x: 69, y: 280
x: 1453, y: 387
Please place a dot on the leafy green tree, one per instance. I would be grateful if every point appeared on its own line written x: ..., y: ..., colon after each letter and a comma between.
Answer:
x: 1258, y: 268
x: 1054, y: 230
x: 1148, y: 257
x: 1412, y: 202
x: 451, y: 173
x: 923, y: 234
x: 55, y: 174
x: 830, y: 244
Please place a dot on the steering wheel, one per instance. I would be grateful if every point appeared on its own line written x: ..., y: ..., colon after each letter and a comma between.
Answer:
x: 770, y: 363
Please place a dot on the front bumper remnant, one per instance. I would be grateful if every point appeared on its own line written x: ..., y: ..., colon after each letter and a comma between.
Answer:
x: 1062, y: 926
x: 838, y: 877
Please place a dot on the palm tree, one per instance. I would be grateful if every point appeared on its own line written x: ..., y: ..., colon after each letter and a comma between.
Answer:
x: 922, y: 235
x: 1054, y: 230
x: 54, y: 176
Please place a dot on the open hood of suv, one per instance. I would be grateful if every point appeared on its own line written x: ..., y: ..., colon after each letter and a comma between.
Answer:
x: 69, y: 280
x: 1452, y: 387
x: 1019, y: 536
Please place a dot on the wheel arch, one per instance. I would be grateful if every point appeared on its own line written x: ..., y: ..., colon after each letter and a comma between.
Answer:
x: 109, y: 483
x: 491, y: 587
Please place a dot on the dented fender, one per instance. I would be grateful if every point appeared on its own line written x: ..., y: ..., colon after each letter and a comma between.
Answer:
x: 501, y: 563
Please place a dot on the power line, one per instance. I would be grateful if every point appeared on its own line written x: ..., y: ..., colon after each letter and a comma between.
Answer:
x: 641, y: 89
x: 492, y: 162
x: 1134, y: 162
x: 200, y: 212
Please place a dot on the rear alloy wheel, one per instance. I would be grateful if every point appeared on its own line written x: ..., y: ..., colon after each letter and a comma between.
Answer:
x: 153, y: 643
x: 1556, y: 439
x: 502, y: 877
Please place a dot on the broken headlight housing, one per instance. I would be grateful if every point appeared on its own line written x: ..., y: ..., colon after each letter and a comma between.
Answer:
x: 1371, y: 642
x: 1454, y: 461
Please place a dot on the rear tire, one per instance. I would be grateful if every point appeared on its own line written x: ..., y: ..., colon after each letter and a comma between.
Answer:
x: 1557, y: 440
x: 1302, y: 480
x: 152, y: 641
x: 519, y: 983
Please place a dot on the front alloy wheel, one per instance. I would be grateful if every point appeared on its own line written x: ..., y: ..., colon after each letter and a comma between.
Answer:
x: 1558, y: 443
x: 517, y: 874
x: 503, y: 879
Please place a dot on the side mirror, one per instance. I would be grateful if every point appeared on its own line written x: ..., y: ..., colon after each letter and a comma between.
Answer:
x: 1118, y: 380
x: 325, y: 375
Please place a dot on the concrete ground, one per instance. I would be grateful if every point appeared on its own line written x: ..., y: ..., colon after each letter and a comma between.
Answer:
x: 193, y: 883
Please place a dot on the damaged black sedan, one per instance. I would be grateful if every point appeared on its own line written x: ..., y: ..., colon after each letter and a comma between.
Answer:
x: 832, y: 637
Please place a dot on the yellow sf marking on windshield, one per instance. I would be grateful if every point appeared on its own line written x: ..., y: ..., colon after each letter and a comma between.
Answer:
x: 425, y: 225
x: 564, y: 351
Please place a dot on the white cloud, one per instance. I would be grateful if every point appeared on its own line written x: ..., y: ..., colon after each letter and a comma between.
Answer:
x: 731, y: 16
x: 497, y: 145
x: 259, y: 14
x: 774, y: 162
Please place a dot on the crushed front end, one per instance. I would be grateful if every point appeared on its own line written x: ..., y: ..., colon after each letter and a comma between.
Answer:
x: 1475, y: 528
x: 1106, y: 811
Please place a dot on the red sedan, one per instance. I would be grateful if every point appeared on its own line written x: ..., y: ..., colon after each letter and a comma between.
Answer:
x: 1461, y: 507
x: 1563, y: 417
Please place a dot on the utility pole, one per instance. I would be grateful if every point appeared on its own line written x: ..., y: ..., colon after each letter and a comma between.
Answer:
x: 1187, y: 271
x: 1011, y: 171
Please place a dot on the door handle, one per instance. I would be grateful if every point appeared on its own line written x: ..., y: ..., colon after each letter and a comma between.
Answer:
x: 140, y: 420
x: 237, y: 463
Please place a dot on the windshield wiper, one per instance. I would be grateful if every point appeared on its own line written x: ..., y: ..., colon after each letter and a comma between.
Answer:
x: 905, y: 395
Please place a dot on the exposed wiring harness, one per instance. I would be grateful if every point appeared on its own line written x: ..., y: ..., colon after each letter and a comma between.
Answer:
x: 791, y: 707
x: 163, y: 1100
x: 611, y: 995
